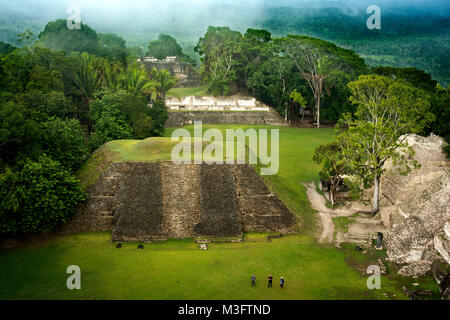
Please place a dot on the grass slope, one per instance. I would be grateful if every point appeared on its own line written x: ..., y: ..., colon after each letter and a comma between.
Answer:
x: 184, y: 92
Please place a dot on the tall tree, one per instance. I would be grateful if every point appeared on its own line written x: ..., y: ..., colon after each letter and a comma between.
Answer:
x: 86, y: 81
x: 321, y: 64
x: 162, y: 82
x: 112, y: 73
x: 57, y: 36
x: 164, y: 46
x: 387, y: 110
x: 6, y: 48
x: 219, y: 49
x: 335, y: 165
x: 315, y: 66
x: 113, y: 47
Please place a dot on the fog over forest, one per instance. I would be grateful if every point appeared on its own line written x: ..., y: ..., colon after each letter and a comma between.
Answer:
x: 189, y: 18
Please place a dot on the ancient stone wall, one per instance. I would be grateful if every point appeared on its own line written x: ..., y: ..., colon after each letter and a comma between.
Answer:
x: 183, y: 71
x: 156, y: 201
x: 233, y: 103
x: 180, y: 118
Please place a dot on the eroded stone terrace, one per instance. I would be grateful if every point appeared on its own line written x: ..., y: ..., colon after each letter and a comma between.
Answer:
x: 141, y: 201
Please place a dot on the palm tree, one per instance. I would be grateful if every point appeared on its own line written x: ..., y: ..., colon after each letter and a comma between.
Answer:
x: 87, y: 80
x: 163, y: 82
x: 136, y: 80
x: 111, y: 75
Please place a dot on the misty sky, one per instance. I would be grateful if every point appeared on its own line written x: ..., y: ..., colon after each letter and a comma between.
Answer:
x: 187, y: 16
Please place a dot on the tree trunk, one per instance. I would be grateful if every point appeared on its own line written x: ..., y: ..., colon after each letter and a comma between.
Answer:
x: 286, y: 114
x: 318, y: 112
x: 86, y: 105
x: 376, y: 195
x: 318, y: 101
x: 332, y: 188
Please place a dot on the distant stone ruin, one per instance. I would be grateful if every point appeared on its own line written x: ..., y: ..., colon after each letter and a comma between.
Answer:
x: 220, y: 110
x: 183, y: 71
x: 233, y: 103
x: 146, y: 202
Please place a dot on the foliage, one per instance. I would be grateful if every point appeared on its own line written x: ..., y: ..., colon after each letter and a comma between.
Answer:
x: 112, y: 76
x: 402, y: 42
x: 110, y: 122
x: 56, y: 36
x: 158, y: 112
x: 164, y: 46
x: 440, y: 107
x: 298, y: 98
x: 26, y: 38
x: 418, y: 78
x: 87, y: 80
x: 334, y: 165
x: 135, y: 80
x: 218, y: 49
x: 19, y: 135
x: 387, y: 110
x: 113, y: 47
x: 321, y: 64
x: 167, y: 46
x: 135, y: 53
x: 6, y: 48
x: 64, y: 141
x: 162, y: 82
x: 38, y: 198
x: 272, y: 68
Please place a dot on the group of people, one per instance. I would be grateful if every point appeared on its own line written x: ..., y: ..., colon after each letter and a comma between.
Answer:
x: 270, y: 279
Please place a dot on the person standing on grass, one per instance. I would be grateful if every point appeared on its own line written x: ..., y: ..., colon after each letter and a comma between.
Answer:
x: 270, y: 281
x: 253, y: 277
x: 281, y: 282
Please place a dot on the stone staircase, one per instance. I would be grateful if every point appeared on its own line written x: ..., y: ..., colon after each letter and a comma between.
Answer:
x: 181, y: 199
x: 260, y: 210
x: 97, y: 214
x: 220, y: 215
x: 139, y: 209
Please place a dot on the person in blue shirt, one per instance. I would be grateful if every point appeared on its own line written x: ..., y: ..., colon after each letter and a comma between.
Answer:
x: 281, y: 282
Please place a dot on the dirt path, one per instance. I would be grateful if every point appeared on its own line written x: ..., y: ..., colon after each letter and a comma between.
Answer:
x: 326, y: 215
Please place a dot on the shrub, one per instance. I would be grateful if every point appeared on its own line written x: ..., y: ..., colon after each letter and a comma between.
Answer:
x: 64, y: 141
x: 159, y: 114
x: 38, y: 198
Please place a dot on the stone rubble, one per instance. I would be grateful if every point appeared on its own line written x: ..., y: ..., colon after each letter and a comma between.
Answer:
x: 416, y: 209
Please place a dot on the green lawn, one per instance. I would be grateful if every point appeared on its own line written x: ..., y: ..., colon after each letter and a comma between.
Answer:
x: 177, y: 269
x: 184, y: 92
